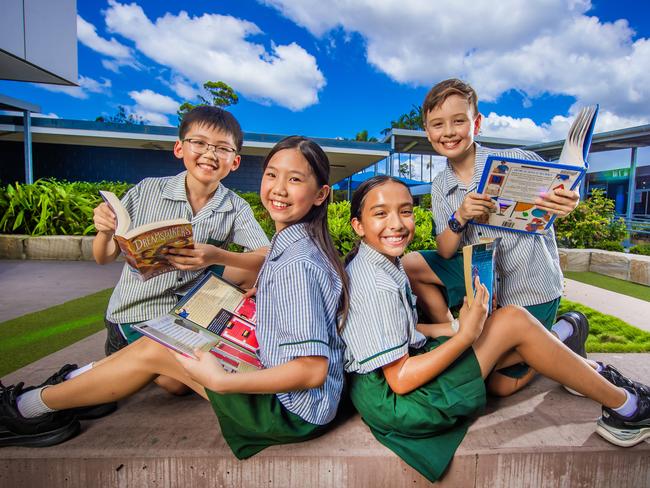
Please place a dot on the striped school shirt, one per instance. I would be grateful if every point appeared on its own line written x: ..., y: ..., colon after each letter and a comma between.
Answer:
x: 297, y: 300
x: 528, y: 265
x: 226, y: 218
x: 381, y: 322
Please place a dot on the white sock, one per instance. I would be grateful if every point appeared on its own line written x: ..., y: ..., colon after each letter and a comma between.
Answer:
x: 629, y: 406
x: 30, y: 404
x: 78, y: 371
x: 563, y: 329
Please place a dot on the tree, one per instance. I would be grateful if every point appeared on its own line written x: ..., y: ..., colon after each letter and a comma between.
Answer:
x: 219, y: 95
x: 411, y: 120
x: 363, y: 136
x: 121, y: 117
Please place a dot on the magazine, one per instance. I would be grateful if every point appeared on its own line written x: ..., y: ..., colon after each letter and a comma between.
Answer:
x: 478, y: 260
x: 215, y: 316
x: 514, y: 184
x: 143, y: 247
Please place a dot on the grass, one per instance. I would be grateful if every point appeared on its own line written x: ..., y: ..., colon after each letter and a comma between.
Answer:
x: 628, y: 288
x: 608, y: 333
x: 26, y: 339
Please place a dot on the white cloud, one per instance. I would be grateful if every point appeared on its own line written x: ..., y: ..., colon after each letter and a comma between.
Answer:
x: 152, y: 107
x: 217, y: 47
x: 545, y: 46
x: 87, y: 35
x: 86, y: 86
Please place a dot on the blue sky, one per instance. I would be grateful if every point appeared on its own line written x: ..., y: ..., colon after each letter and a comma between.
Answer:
x: 332, y: 69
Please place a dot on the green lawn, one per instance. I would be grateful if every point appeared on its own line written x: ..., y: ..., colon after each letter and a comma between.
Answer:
x: 612, y: 284
x: 26, y: 339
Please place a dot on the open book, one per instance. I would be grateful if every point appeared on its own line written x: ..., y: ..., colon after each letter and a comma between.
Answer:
x: 213, y: 316
x: 478, y: 260
x: 514, y: 184
x: 143, y: 246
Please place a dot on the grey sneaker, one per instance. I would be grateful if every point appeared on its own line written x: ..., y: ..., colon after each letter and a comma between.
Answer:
x: 626, y: 431
x: 615, y: 377
x: 576, y: 341
x: 45, y: 430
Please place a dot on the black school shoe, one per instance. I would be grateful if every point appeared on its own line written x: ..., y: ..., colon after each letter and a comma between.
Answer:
x: 626, y: 431
x: 576, y: 341
x: 82, y: 413
x: 42, y: 431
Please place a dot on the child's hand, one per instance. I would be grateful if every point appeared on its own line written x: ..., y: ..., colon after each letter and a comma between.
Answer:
x: 202, y: 256
x: 104, y: 219
x: 251, y: 292
x: 473, y: 318
x: 205, y: 370
x: 559, y: 202
x: 475, y: 206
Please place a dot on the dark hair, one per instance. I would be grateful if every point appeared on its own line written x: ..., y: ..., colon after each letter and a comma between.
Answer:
x: 212, y: 118
x: 316, y: 218
x: 443, y: 90
x: 359, y: 198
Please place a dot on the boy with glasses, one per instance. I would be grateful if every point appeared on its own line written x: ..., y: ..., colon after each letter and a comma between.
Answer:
x: 209, y: 143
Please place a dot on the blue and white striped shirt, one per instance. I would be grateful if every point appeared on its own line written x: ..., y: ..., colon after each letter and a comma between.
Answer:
x: 297, y: 301
x: 528, y: 265
x: 225, y: 219
x: 381, y: 322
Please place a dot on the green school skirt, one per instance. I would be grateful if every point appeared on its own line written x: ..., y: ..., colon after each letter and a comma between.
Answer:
x: 423, y: 427
x: 450, y: 271
x: 250, y: 423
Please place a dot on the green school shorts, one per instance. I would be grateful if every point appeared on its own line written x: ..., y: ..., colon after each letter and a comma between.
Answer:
x: 251, y: 423
x: 423, y: 427
x: 450, y: 271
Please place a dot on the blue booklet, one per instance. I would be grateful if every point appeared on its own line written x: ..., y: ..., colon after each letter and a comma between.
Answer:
x: 478, y: 260
x: 514, y: 184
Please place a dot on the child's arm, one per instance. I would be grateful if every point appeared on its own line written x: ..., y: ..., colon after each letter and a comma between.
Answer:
x: 204, y: 255
x: 410, y: 372
x: 298, y: 374
x: 105, y: 250
x: 559, y: 202
x: 475, y: 206
x: 436, y: 330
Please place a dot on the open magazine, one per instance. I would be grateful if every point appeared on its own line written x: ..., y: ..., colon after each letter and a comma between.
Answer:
x: 213, y: 316
x: 514, y: 184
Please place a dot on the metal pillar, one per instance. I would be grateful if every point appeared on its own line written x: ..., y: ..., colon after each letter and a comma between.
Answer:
x: 631, y: 190
x: 27, y: 129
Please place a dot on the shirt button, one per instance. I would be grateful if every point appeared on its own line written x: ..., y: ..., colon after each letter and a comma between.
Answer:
x: 179, y: 279
x: 480, y: 233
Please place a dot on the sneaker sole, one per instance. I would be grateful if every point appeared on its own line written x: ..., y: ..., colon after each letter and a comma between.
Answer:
x: 573, y: 392
x: 45, y: 439
x: 94, y: 412
x: 623, y: 438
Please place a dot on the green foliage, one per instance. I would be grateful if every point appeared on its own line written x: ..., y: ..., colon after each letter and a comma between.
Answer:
x: 363, y: 136
x: 219, y: 95
x: 643, y: 249
x: 424, y: 239
x: 51, y: 207
x: 593, y: 221
x: 411, y: 120
x: 425, y: 200
x: 338, y: 218
x: 608, y: 333
x: 121, y: 117
x: 610, y: 246
x: 260, y: 213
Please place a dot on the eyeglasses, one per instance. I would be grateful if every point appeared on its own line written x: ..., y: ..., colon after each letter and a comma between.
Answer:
x: 201, y: 147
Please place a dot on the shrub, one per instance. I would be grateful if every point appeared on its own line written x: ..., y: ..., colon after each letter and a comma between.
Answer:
x: 593, y: 221
x: 643, y: 249
x: 51, y: 207
x: 610, y: 246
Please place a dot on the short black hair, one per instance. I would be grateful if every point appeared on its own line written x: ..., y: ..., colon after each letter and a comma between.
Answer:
x: 213, y: 118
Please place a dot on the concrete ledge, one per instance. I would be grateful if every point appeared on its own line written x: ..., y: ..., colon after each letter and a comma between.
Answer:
x: 59, y: 248
x: 541, y: 437
x: 624, y: 266
x: 12, y: 246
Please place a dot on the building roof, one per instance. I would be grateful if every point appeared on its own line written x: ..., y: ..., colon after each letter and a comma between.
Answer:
x: 346, y: 157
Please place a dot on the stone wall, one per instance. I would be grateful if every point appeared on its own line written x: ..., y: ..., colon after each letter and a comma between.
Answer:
x: 60, y: 248
x: 629, y: 267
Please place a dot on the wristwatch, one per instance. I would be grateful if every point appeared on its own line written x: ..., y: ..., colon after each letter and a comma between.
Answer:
x: 455, y: 226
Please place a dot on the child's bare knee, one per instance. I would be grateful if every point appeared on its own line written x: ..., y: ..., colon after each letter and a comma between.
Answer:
x: 172, y: 386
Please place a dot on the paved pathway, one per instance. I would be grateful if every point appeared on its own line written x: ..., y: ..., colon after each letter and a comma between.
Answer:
x: 28, y: 286
x: 632, y: 310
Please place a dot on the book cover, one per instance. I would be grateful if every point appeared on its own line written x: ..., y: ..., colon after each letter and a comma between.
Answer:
x: 514, y: 184
x: 479, y: 260
x: 213, y: 316
x: 143, y: 247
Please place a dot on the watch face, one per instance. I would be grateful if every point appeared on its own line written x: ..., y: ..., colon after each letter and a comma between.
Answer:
x: 455, y: 226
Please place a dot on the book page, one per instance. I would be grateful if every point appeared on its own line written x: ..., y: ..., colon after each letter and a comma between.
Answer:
x: 204, y: 304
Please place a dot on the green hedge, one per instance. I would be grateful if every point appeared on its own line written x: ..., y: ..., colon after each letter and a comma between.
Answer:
x: 51, y: 207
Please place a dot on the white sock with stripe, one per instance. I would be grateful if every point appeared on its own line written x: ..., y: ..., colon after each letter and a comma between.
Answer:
x: 30, y: 404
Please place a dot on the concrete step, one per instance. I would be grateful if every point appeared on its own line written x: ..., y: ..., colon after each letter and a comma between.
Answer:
x: 540, y: 437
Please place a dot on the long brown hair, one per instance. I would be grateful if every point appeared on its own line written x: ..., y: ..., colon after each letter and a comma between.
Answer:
x: 316, y: 218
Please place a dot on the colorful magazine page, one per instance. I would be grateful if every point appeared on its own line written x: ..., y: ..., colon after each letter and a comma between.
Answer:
x: 478, y: 260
